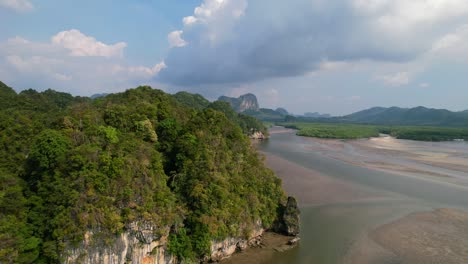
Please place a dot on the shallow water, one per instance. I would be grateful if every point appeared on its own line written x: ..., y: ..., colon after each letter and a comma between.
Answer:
x: 334, y: 219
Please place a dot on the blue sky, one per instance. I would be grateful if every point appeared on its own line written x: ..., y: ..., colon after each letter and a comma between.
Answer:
x: 305, y: 55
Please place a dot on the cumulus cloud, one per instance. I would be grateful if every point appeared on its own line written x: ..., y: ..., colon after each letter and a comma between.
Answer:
x: 17, y: 5
x: 452, y: 45
x: 81, y: 45
x: 71, y: 62
x: 397, y: 79
x: 229, y: 41
x: 175, y: 39
x: 139, y: 71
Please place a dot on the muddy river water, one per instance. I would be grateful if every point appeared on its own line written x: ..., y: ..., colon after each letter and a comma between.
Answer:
x: 373, y: 200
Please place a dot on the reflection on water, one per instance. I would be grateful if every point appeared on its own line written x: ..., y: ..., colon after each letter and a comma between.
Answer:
x: 337, y: 219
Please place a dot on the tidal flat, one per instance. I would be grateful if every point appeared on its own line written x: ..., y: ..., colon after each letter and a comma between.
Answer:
x: 373, y: 200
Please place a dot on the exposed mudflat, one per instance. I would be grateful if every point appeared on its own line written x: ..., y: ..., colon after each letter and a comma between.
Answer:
x: 313, y: 188
x: 406, y: 157
x: 439, y: 236
x: 372, y: 200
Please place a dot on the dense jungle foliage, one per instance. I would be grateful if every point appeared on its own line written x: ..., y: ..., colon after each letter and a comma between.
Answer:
x: 71, y: 164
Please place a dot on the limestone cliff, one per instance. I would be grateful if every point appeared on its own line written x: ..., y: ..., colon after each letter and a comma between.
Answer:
x: 143, y: 244
x: 242, y: 103
x: 140, y: 244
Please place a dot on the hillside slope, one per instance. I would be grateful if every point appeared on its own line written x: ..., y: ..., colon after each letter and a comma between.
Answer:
x: 80, y: 177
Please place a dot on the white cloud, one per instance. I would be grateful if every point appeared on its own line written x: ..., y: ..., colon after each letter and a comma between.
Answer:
x: 139, y: 71
x: 81, y: 45
x: 189, y: 20
x: 452, y: 46
x: 424, y: 85
x: 216, y: 18
x: 245, y: 40
x: 398, y: 15
x: 39, y: 65
x: 175, y: 39
x: 17, y: 5
x: 92, y: 65
x: 397, y: 79
x: 32, y: 63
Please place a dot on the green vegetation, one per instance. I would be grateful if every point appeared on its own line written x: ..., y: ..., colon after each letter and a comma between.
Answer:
x: 354, y: 131
x: 71, y: 164
x: 268, y: 115
x: 338, y: 131
x: 191, y: 100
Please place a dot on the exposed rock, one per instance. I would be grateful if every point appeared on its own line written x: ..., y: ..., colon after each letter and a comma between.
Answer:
x: 294, y: 241
x: 258, y: 135
x: 291, y: 217
x: 144, y: 243
x: 242, y: 103
x: 225, y: 248
x: 288, y: 223
x: 290, y: 244
x: 140, y: 244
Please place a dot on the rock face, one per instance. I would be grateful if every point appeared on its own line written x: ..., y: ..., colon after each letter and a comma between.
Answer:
x: 242, y: 103
x: 225, y: 248
x: 288, y: 224
x: 141, y: 244
x: 258, y: 135
x: 291, y: 217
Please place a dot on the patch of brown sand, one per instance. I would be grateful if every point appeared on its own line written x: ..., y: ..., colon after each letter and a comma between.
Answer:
x: 366, y: 251
x: 399, y: 168
x: 440, y: 236
x: 311, y: 188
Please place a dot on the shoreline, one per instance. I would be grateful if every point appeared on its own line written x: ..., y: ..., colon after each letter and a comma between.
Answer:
x: 337, y: 200
x: 270, y: 246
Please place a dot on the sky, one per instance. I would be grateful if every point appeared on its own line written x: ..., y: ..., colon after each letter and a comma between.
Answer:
x: 333, y: 57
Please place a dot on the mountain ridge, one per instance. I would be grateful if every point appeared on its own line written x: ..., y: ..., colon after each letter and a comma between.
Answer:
x: 419, y: 115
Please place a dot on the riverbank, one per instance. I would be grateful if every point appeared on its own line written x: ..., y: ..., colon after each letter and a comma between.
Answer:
x: 272, y: 244
x: 353, y: 213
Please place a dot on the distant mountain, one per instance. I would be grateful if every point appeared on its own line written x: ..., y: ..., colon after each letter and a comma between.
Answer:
x: 242, y: 103
x: 266, y: 114
x: 316, y: 115
x: 282, y: 111
x: 247, y: 104
x: 408, y: 116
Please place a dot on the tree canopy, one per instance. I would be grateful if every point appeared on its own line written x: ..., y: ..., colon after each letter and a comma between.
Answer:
x: 72, y: 164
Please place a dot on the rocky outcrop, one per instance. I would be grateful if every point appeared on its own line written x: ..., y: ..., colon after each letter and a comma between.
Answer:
x: 225, y: 248
x: 143, y: 244
x: 291, y: 217
x: 140, y: 244
x: 288, y: 223
x: 242, y: 103
x: 258, y: 135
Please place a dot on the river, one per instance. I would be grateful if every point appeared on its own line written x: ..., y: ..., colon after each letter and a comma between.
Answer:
x: 343, y: 201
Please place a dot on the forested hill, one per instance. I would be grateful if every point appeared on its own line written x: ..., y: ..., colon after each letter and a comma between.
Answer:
x: 73, y: 164
x: 407, y: 116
